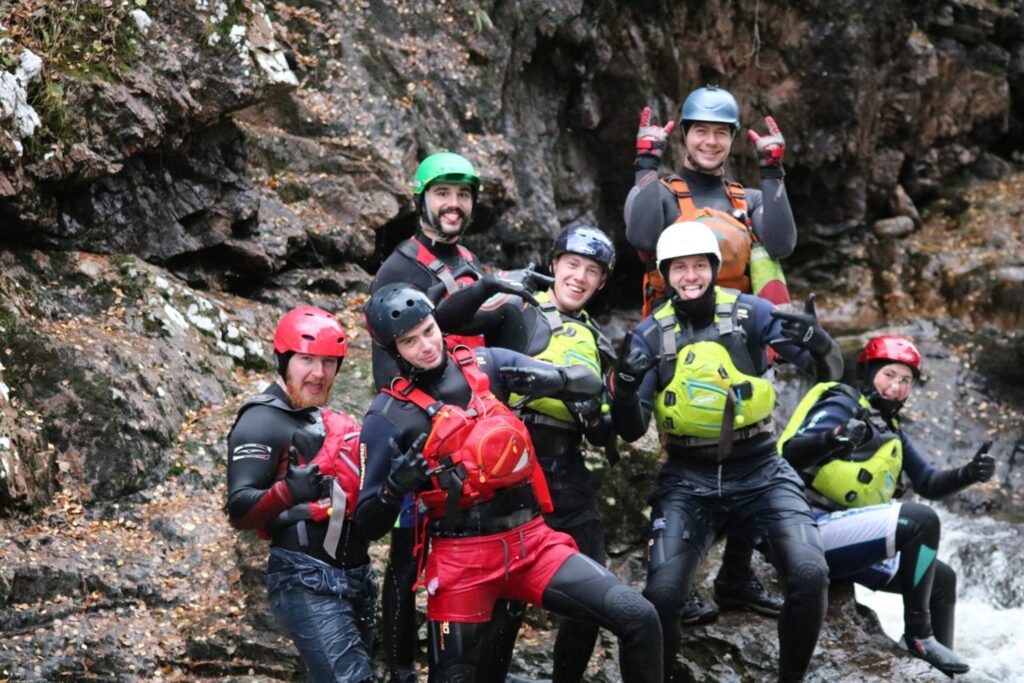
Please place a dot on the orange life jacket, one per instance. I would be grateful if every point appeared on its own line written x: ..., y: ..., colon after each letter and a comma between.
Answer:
x: 732, y: 229
x: 455, y: 279
x: 481, y: 448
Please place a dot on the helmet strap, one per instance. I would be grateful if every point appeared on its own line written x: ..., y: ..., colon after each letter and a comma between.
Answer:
x: 282, y: 362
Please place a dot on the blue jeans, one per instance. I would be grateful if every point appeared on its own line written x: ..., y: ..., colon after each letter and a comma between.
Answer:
x: 327, y: 611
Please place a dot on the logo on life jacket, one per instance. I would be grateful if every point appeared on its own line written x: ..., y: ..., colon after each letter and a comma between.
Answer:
x: 481, y: 448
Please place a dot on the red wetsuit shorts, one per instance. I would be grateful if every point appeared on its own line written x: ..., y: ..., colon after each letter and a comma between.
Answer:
x: 464, y: 576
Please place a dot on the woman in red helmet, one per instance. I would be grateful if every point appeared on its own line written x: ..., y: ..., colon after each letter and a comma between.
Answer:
x: 848, y: 446
x: 293, y: 477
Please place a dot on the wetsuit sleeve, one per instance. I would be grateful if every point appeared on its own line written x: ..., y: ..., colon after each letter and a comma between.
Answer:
x: 649, y: 209
x: 815, y: 440
x: 377, y: 509
x: 927, y: 481
x: 827, y: 367
x: 631, y: 411
x: 772, y: 217
x: 579, y: 380
x: 257, y: 444
x: 474, y: 310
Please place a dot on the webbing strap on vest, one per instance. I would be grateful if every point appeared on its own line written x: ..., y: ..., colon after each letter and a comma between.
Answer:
x: 724, y: 311
x: 684, y: 197
x: 417, y: 251
x: 551, y: 316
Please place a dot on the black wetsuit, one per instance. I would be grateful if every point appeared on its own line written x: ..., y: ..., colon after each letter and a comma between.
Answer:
x: 399, y: 606
x: 579, y: 589
x: 326, y: 603
x: 697, y: 496
x: 507, y: 321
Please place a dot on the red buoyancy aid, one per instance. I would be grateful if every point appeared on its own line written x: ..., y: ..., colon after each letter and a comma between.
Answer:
x: 483, y: 447
x: 338, y: 457
x: 454, y: 280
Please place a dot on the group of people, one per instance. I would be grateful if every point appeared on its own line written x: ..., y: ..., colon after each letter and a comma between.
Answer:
x: 489, y: 382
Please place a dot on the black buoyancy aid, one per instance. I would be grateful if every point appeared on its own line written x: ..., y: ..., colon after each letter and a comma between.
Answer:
x: 479, y: 449
x: 454, y: 279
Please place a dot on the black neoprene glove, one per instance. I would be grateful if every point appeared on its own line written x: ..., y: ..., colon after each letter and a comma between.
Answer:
x: 408, y: 471
x: 632, y: 367
x: 517, y: 283
x: 304, y: 483
x: 803, y: 329
x: 851, y: 434
x: 981, y: 467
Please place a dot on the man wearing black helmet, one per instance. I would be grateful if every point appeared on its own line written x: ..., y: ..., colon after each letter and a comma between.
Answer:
x: 478, y: 478
x: 557, y: 329
x: 434, y: 261
x: 293, y: 477
x: 710, y: 119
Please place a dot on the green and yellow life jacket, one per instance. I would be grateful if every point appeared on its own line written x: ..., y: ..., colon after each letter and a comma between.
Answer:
x: 869, y: 474
x: 695, y: 381
x: 570, y: 341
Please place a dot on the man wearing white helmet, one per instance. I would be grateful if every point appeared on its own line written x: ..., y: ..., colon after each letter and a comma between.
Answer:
x: 699, y: 364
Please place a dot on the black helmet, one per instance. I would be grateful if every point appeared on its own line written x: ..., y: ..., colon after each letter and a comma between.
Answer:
x: 393, y: 310
x: 586, y: 240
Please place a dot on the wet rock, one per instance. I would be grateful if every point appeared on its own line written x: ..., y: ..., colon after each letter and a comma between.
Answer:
x: 897, y: 226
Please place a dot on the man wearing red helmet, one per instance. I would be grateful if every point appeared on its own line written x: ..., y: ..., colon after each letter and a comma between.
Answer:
x: 849, y: 448
x: 293, y: 477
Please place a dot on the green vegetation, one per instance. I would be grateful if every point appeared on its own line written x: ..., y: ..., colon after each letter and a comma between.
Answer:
x: 77, y: 40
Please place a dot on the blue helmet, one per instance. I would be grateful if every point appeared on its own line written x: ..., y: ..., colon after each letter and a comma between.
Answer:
x: 711, y: 104
x: 588, y: 241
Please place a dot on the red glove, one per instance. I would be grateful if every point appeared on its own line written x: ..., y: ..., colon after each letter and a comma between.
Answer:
x: 651, y: 140
x: 769, y: 149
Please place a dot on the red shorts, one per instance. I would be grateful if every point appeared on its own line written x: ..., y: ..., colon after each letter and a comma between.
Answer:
x: 464, y: 576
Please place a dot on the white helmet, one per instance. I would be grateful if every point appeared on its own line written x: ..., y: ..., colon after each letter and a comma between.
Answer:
x: 688, y: 238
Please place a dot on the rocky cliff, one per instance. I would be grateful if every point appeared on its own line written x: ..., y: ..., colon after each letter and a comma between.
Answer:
x: 173, y: 174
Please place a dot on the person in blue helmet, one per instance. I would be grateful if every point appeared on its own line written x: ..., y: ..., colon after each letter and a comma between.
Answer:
x: 698, y: 365
x: 849, y: 447
x: 710, y: 120
x: 556, y: 328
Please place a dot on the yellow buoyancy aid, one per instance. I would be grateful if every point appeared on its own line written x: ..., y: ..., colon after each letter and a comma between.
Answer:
x: 868, y: 475
x: 693, y: 401
x: 571, y: 342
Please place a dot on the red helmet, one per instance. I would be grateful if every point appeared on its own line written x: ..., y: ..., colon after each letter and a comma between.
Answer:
x: 308, y: 329
x: 891, y: 347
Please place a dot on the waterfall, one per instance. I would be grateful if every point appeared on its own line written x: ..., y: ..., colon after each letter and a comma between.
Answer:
x: 987, y: 555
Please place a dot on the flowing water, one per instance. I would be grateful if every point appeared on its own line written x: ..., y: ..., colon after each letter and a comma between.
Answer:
x: 987, y: 556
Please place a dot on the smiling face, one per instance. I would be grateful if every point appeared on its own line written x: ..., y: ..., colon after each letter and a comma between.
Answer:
x: 893, y: 381
x: 423, y: 345
x: 447, y: 210
x: 309, y: 379
x: 690, y: 276
x: 577, y: 278
x: 707, y: 146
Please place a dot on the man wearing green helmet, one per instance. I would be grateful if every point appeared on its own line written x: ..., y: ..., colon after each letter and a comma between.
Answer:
x: 445, y: 188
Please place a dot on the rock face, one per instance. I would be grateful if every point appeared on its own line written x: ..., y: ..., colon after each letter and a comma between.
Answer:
x: 174, y: 174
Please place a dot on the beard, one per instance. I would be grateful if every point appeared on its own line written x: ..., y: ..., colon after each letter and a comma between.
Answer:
x: 435, y: 223
x: 301, y: 399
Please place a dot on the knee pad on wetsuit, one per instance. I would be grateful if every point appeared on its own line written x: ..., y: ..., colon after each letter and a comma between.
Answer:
x: 798, y: 555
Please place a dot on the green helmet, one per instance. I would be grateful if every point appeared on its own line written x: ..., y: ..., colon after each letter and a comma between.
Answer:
x: 445, y: 167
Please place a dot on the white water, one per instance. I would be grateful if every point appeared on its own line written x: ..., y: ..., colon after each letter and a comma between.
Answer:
x: 989, y: 637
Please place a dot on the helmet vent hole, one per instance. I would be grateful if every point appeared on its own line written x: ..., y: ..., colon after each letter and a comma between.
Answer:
x: 409, y: 303
x: 309, y: 337
x: 396, y: 314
